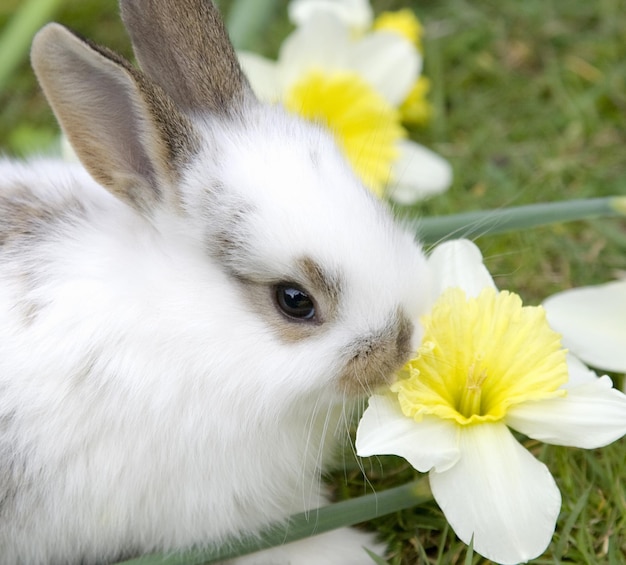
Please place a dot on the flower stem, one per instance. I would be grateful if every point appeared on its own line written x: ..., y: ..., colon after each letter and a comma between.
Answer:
x: 475, y: 224
x: 306, y: 524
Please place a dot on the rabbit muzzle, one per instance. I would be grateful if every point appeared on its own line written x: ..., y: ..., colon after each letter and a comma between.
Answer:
x: 372, y: 360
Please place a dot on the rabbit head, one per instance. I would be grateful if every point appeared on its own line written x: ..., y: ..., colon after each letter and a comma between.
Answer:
x: 318, y: 286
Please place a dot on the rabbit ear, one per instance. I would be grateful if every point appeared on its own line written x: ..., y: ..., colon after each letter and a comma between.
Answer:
x: 183, y: 46
x: 125, y: 130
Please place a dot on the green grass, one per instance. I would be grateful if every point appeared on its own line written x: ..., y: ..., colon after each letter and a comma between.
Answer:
x: 533, y: 100
x: 530, y: 106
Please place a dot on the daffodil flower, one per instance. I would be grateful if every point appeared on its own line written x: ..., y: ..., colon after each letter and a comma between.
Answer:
x: 592, y: 321
x: 355, y: 88
x: 415, y: 109
x: 488, y: 364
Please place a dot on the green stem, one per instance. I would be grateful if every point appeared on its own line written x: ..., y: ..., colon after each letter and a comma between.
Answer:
x: 487, y: 222
x: 306, y: 524
x: 18, y: 34
x: 246, y: 19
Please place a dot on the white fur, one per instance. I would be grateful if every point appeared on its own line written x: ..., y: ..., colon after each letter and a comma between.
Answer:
x: 145, y: 405
x: 194, y: 420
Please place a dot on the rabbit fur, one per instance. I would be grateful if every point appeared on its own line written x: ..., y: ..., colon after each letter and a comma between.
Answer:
x: 154, y: 393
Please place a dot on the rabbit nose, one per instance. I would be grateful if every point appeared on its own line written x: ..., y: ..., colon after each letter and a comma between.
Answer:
x: 372, y: 360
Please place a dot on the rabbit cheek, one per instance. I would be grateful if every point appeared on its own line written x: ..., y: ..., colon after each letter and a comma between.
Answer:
x: 373, y: 359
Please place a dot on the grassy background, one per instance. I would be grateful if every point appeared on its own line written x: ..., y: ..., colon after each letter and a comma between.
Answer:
x: 530, y: 106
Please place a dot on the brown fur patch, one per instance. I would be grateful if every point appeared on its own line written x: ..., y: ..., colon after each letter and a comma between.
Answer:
x: 324, y: 288
x: 322, y: 283
x: 374, y: 359
x: 25, y: 222
x: 24, y: 218
x: 226, y: 237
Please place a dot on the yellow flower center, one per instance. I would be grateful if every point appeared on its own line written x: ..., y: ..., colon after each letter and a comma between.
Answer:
x: 480, y: 356
x: 404, y: 23
x: 366, y: 127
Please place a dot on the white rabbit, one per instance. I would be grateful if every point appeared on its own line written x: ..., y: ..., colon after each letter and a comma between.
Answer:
x: 185, y: 322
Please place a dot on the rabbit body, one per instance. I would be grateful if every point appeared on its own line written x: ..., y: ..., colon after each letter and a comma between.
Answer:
x: 154, y: 393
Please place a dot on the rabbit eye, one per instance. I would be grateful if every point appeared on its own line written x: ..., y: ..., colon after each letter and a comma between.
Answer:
x: 294, y: 302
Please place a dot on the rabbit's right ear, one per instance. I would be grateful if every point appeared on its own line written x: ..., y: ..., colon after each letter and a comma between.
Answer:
x: 124, y: 129
x: 183, y: 46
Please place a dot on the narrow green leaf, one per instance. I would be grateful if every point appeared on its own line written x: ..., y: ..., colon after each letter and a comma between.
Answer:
x: 376, y: 558
x: 469, y: 555
x: 570, y: 522
x: 486, y: 222
x: 306, y: 524
x: 443, y: 540
x: 18, y: 34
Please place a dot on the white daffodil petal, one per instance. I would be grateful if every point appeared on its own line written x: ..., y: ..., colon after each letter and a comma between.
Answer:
x: 418, y: 173
x: 357, y: 14
x: 591, y: 415
x: 578, y: 372
x: 591, y: 321
x: 388, y: 62
x: 262, y: 75
x: 385, y: 430
x: 322, y: 43
x: 459, y: 263
x: 499, y: 494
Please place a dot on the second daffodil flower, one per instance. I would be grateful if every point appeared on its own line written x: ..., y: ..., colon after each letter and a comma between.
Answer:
x: 488, y: 364
x: 355, y: 86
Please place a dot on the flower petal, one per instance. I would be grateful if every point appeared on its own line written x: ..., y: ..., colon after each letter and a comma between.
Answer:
x: 499, y: 494
x: 418, y: 173
x: 578, y: 372
x: 591, y: 415
x: 385, y: 430
x: 262, y: 75
x: 322, y: 43
x: 459, y: 263
x: 388, y: 62
x: 355, y: 13
x: 591, y: 320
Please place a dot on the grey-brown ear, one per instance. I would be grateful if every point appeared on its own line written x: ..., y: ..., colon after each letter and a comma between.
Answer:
x: 183, y: 46
x: 125, y: 130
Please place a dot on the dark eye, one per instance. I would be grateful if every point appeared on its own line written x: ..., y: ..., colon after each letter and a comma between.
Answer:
x: 294, y: 302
